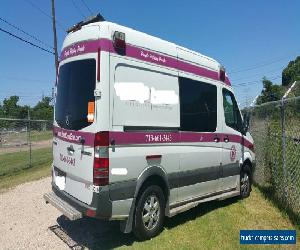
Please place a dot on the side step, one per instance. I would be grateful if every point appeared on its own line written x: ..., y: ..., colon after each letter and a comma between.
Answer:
x: 195, y: 202
x: 69, y: 211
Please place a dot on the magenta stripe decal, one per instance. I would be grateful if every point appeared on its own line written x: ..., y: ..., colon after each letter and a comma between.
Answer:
x: 79, y: 49
x: 130, y: 138
x: 140, y: 54
x: 124, y: 138
x: 74, y: 136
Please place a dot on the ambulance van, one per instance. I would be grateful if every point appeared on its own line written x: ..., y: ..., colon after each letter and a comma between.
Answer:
x: 143, y: 129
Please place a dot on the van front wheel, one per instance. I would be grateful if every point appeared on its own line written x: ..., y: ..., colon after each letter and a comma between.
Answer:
x: 149, y: 213
x: 245, y: 182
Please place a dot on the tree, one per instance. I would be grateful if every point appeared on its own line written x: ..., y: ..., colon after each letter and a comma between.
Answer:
x: 11, y: 108
x: 43, y: 109
x: 271, y: 92
x: 291, y: 73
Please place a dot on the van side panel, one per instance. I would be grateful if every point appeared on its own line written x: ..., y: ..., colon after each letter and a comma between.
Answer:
x: 140, y: 115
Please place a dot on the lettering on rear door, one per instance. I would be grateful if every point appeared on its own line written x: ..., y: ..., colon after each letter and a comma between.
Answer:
x: 67, y: 159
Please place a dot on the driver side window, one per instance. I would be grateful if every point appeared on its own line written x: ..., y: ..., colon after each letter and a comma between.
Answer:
x: 232, y: 113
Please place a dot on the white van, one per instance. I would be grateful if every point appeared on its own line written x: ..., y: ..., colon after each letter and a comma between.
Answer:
x: 143, y: 129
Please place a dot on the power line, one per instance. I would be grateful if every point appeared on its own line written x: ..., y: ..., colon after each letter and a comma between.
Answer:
x: 244, y: 84
x: 255, y: 66
x: 85, y: 4
x: 26, y: 33
x: 25, y: 41
x: 77, y: 8
x: 46, y: 14
x: 264, y: 73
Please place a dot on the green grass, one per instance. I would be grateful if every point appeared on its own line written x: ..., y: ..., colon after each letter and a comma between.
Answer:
x: 212, y: 225
x: 30, y: 174
x: 12, y: 163
x: 15, y: 169
x: 41, y: 136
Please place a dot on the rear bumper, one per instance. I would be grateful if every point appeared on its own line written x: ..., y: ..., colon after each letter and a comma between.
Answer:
x: 101, y: 206
x: 69, y: 211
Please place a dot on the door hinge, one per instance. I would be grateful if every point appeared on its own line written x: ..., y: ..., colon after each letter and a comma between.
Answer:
x: 97, y: 93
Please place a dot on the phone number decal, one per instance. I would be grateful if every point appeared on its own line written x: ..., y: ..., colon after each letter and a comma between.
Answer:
x: 158, y: 138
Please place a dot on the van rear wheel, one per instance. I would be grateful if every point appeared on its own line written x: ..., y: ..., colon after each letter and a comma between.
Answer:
x: 149, y: 213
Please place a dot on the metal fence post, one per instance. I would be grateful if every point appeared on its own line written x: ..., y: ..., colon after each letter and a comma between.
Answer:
x: 29, y: 139
x: 283, y: 132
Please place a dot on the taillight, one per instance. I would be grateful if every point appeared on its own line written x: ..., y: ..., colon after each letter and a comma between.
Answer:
x: 101, y: 159
x: 119, y: 41
x: 102, y: 139
x: 222, y: 74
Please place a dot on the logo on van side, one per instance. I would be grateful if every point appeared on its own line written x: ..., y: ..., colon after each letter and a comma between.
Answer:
x: 67, y: 159
x: 232, y: 153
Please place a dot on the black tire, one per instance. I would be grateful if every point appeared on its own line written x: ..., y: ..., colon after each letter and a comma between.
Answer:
x: 143, y: 229
x: 245, y: 181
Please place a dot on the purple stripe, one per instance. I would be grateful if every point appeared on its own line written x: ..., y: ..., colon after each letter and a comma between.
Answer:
x: 198, y: 137
x: 127, y: 138
x: 123, y: 138
x: 140, y: 54
x: 187, y: 67
x: 80, y: 49
x: 74, y: 136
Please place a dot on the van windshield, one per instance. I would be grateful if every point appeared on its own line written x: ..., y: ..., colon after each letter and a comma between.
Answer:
x: 75, y: 90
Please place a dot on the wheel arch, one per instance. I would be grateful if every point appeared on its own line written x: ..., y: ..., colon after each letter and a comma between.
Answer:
x: 153, y: 175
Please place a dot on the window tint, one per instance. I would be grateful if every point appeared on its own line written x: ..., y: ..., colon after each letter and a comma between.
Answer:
x: 75, y: 89
x: 232, y: 114
x: 198, y: 106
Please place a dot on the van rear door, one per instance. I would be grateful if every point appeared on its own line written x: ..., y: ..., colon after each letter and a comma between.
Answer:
x: 73, y: 151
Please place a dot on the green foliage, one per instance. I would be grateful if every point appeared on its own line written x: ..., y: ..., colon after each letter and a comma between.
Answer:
x: 43, y: 110
x: 10, y: 108
x: 271, y: 92
x: 291, y: 73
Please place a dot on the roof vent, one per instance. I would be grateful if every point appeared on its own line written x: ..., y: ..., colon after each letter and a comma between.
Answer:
x: 91, y: 19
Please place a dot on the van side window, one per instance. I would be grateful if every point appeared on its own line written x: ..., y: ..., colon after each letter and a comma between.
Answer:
x: 232, y: 114
x: 198, y: 106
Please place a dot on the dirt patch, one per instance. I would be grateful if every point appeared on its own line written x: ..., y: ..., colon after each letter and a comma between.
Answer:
x: 25, y: 147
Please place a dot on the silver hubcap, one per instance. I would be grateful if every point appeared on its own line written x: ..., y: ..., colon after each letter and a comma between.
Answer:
x: 151, y: 212
x: 245, y: 184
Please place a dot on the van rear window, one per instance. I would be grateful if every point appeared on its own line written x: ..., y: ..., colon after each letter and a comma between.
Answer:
x: 75, y: 90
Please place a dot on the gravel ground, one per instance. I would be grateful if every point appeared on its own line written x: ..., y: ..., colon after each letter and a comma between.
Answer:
x: 26, y: 222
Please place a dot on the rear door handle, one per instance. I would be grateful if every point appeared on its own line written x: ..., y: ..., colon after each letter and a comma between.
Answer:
x: 226, y: 139
x: 71, y: 149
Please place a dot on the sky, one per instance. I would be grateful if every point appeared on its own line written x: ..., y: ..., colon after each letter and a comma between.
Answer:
x: 251, y: 39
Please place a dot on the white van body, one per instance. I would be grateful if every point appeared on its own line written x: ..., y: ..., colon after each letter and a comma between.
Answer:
x: 159, y: 116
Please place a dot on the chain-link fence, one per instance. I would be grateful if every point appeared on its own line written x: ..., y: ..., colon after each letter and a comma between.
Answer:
x: 275, y: 127
x: 24, y: 143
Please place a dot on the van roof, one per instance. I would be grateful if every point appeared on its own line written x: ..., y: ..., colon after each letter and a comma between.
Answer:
x: 143, y: 40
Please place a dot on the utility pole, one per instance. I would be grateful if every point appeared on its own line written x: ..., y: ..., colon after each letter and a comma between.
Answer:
x: 55, y: 40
